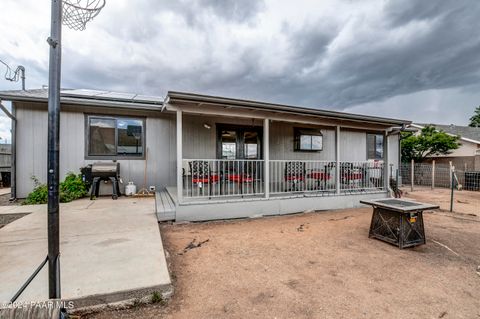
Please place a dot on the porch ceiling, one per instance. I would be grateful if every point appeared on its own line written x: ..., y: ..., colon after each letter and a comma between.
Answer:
x: 196, y: 103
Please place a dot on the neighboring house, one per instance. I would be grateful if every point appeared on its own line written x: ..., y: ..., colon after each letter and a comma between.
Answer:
x: 5, y: 164
x: 213, y: 157
x: 467, y: 156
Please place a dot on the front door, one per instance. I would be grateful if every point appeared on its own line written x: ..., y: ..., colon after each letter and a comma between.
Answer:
x: 240, y: 149
x: 239, y: 142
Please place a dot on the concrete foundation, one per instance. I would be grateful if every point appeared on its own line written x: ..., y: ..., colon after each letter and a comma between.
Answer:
x: 256, y: 207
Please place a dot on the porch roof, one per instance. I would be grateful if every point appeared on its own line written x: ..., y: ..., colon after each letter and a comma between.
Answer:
x: 182, y: 98
x: 87, y: 97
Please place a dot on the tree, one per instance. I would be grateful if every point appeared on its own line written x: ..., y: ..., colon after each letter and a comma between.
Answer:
x: 475, y: 119
x: 429, y: 142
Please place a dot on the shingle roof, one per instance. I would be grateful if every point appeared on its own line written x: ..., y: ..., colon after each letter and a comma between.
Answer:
x: 472, y: 133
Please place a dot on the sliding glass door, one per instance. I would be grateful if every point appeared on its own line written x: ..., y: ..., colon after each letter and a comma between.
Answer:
x: 239, y: 142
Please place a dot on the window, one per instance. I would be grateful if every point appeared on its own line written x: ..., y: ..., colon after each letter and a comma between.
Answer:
x: 229, y: 144
x: 112, y: 137
x: 310, y: 140
x: 238, y: 142
x: 374, y: 146
x: 250, y: 145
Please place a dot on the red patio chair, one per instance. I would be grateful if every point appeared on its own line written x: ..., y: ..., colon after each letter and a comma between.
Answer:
x: 295, y: 176
x: 351, y: 175
x: 320, y: 176
x: 202, y: 175
x: 245, y: 173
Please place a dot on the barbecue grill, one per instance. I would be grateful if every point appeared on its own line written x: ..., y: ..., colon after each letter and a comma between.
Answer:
x: 105, y: 171
x: 398, y: 222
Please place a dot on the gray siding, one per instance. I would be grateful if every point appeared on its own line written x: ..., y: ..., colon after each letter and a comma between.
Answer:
x: 200, y: 142
x: 281, y: 143
x: 353, y: 145
x: 32, y: 148
x: 393, y: 148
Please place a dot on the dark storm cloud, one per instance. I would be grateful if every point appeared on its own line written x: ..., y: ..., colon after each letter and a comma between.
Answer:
x: 141, y: 22
x: 403, y: 12
x: 358, y: 54
x: 443, y: 54
x: 238, y: 11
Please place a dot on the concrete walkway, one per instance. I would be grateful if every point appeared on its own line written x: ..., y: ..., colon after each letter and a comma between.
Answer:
x: 4, y: 191
x: 110, y: 251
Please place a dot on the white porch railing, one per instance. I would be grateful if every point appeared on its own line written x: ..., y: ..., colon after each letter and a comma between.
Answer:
x: 297, y: 176
x: 365, y: 176
x: 219, y: 178
x: 222, y: 178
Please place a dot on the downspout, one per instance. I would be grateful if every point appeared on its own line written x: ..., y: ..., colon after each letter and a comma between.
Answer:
x: 394, y: 131
x: 13, y: 170
x: 399, y: 130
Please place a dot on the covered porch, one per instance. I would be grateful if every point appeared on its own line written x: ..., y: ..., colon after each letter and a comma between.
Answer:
x: 230, y: 152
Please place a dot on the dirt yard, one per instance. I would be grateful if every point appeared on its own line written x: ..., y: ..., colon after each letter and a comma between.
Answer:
x: 466, y: 202
x: 318, y: 265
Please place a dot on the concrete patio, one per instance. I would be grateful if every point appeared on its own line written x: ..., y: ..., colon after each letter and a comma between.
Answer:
x: 110, y: 251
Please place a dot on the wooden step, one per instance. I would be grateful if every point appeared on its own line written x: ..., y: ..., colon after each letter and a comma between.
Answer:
x: 165, y: 207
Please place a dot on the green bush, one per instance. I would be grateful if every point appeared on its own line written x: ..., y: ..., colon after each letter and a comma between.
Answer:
x: 39, y: 194
x: 71, y: 188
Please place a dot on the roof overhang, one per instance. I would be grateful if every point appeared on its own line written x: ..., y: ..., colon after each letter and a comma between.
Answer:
x: 175, y: 99
x: 87, y: 101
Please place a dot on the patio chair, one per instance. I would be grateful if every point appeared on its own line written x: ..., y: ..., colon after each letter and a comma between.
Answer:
x: 352, y: 176
x: 294, y: 175
x: 201, y: 175
x: 245, y: 173
x: 321, y: 176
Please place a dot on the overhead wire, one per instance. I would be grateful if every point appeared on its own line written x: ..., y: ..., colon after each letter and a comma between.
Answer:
x: 11, y: 75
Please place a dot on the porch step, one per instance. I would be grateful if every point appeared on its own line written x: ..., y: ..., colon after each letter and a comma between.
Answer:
x: 164, y: 206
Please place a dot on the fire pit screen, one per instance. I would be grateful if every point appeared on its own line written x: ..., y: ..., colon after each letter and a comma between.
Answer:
x: 398, y: 221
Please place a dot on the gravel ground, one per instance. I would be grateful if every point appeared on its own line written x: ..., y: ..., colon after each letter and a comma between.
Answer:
x: 318, y: 265
x: 466, y: 202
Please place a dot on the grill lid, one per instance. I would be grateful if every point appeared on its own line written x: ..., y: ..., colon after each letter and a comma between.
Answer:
x: 106, y: 169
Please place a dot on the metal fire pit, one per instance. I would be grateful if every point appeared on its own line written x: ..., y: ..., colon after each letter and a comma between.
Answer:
x: 398, y: 221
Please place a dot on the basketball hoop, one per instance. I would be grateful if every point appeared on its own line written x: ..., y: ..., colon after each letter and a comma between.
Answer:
x: 76, y: 13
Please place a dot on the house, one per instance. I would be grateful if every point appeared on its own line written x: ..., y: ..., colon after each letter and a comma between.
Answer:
x: 467, y: 156
x: 212, y: 157
x: 5, y: 164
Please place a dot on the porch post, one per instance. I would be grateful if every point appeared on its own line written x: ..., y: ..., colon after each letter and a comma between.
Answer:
x: 179, y: 157
x: 337, y: 160
x: 385, y: 162
x: 266, y: 156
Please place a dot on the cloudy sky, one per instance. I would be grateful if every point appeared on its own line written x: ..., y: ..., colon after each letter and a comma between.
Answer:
x: 411, y: 59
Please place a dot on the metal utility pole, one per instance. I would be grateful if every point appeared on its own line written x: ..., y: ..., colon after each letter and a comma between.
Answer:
x: 22, y: 76
x: 53, y: 161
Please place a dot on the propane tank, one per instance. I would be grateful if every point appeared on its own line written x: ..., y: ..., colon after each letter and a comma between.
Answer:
x: 130, y: 189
